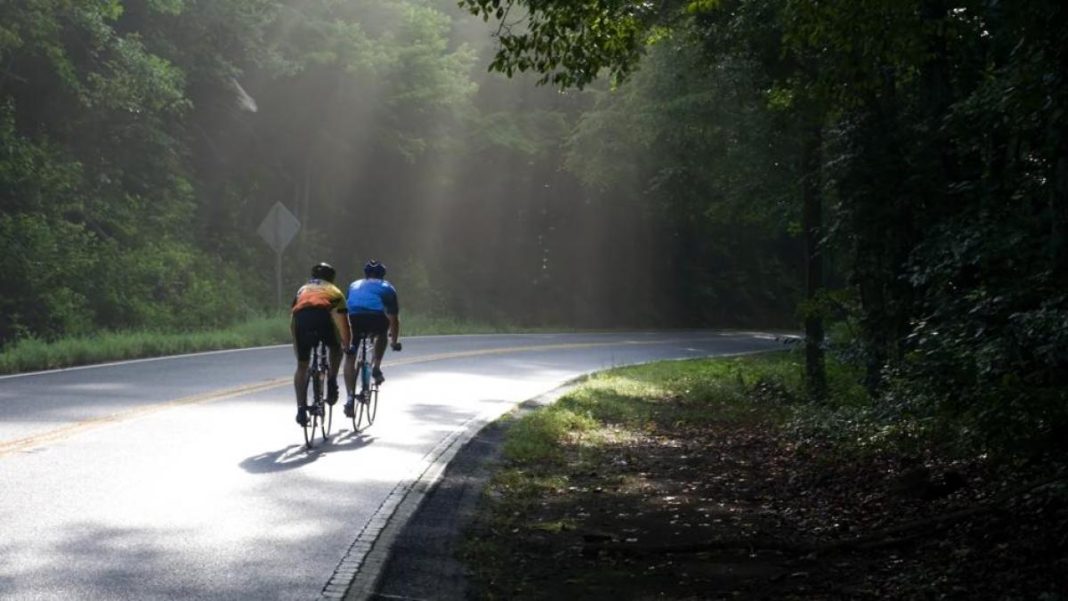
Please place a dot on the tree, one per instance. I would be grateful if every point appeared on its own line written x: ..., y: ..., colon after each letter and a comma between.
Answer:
x: 571, y: 43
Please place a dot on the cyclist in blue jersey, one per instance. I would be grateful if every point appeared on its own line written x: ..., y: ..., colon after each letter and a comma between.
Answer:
x: 373, y: 311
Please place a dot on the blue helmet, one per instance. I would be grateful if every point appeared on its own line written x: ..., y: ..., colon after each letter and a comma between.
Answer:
x: 374, y: 269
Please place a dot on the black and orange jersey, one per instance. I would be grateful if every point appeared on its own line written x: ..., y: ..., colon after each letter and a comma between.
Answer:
x: 319, y: 294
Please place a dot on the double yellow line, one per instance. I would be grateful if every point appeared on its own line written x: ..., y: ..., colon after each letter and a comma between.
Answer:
x: 65, y: 432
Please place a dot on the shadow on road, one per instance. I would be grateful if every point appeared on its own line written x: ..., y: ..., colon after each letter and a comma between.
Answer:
x: 296, y: 455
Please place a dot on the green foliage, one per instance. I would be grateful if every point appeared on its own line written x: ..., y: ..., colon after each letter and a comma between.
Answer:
x: 951, y: 196
x: 96, y: 198
x: 151, y: 136
x: 569, y: 42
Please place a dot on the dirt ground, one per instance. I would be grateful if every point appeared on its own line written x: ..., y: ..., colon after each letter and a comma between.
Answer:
x: 732, y: 511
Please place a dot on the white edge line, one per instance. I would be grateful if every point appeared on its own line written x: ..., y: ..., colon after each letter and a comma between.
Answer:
x: 141, y: 360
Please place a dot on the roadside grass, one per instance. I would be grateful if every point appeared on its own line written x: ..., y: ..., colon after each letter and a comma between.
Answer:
x: 32, y: 354
x: 614, y: 407
x: 551, y: 454
x: 631, y: 400
x: 712, y: 478
x: 765, y: 387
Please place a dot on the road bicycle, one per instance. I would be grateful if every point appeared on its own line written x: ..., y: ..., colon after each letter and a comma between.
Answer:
x: 366, y: 408
x: 320, y: 413
x: 367, y: 398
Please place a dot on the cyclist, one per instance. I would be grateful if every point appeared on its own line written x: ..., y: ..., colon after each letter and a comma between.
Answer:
x: 373, y: 311
x: 318, y: 314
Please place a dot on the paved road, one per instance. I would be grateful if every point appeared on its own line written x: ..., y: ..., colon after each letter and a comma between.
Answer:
x: 184, y: 477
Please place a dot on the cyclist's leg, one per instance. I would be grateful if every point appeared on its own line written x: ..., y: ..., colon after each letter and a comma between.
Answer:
x: 331, y: 382
x: 304, y: 339
x: 300, y: 383
x: 333, y: 348
x: 380, y: 331
x: 380, y: 349
x: 350, y: 366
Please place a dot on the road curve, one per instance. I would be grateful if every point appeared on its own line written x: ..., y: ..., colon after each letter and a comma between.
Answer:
x: 184, y: 477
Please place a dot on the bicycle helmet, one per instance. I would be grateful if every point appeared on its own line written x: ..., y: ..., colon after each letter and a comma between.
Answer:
x: 323, y: 271
x: 374, y: 269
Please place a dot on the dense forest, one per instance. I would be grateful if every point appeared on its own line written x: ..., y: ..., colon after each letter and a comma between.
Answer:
x: 143, y: 141
x: 890, y: 176
x: 925, y: 146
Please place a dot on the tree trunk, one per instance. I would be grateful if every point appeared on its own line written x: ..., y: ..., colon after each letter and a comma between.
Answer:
x: 812, y: 224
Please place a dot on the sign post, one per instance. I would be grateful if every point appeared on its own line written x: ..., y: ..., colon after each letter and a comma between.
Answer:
x: 278, y: 229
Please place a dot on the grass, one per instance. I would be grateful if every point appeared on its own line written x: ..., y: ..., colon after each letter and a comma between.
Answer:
x: 634, y: 399
x: 32, y: 354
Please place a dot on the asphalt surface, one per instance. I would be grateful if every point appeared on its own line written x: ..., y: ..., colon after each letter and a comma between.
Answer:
x: 186, y: 478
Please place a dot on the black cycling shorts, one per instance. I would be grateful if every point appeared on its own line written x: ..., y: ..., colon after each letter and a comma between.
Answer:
x: 311, y: 326
x: 362, y: 324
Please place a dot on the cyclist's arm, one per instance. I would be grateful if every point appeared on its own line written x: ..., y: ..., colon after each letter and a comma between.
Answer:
x: 394, y: 327
x: 389, y: 299
x: 341, y: 320
x: 339, y: 312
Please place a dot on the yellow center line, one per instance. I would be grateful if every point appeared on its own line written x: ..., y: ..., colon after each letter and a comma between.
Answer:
x: 516, y: 349
x: 64, y: 432
x: 68, y: 431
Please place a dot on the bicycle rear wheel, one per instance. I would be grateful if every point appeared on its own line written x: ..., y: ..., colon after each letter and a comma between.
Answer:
x: 325, y: 410
x: 312, y: 410
x: 309, y: 430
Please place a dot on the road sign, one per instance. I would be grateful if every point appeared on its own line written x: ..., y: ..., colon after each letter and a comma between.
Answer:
x: 279, y: 227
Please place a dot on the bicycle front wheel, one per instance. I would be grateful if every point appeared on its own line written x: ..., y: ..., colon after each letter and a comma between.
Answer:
x: 371, y: 406
x: 357, y: 411
x: 313, y: 404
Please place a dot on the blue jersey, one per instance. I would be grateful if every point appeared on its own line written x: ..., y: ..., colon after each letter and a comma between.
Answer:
x: 373, y: 296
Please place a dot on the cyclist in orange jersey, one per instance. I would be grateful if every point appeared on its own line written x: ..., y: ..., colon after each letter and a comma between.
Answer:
x: 319, y: 313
